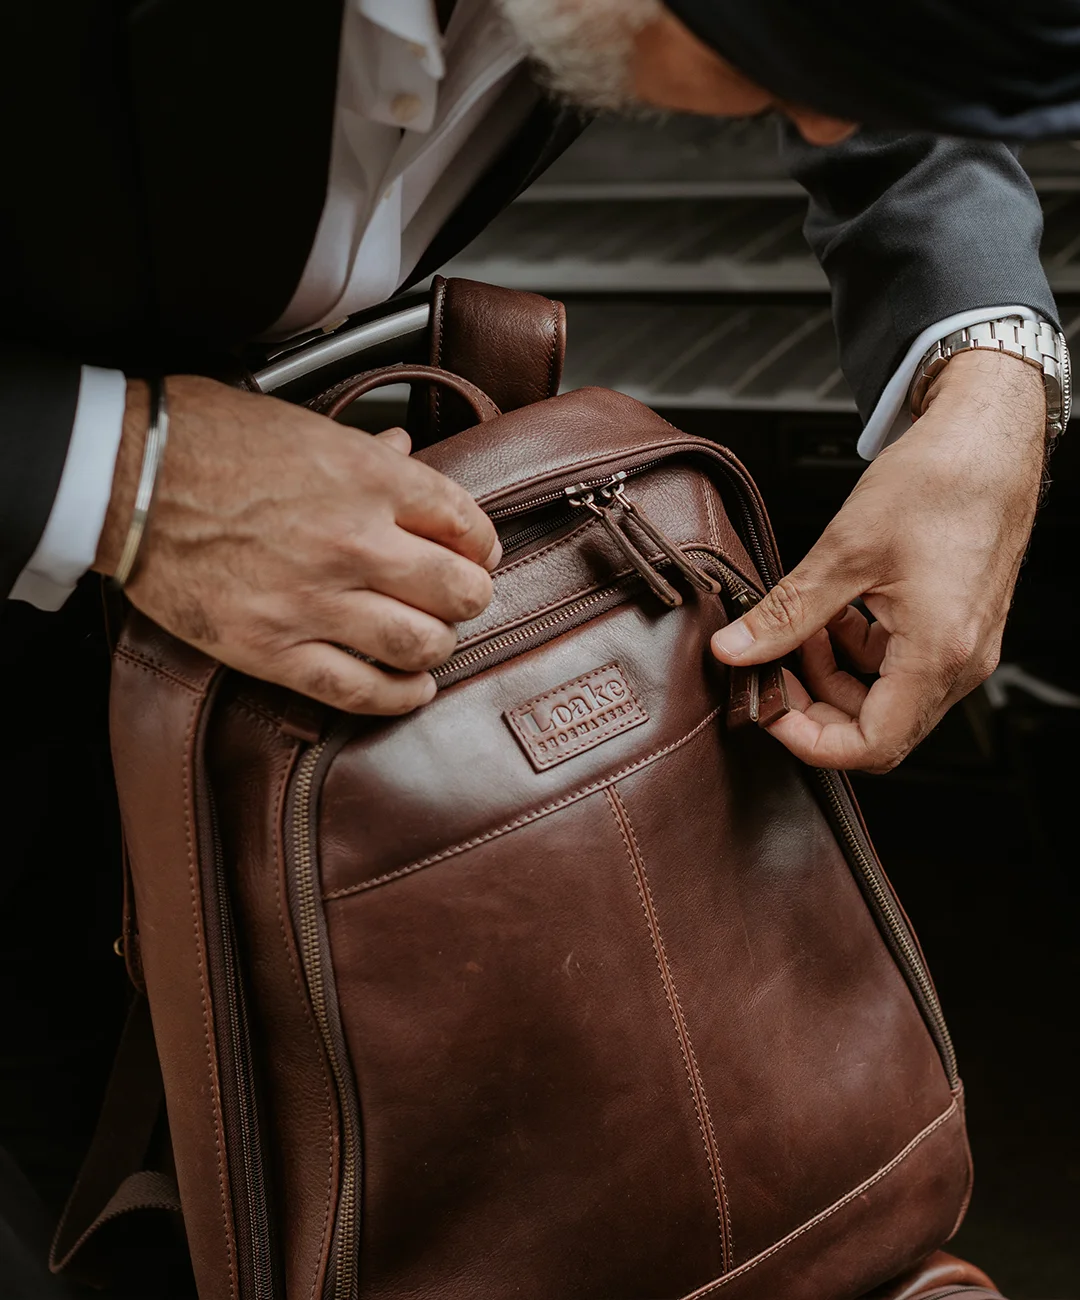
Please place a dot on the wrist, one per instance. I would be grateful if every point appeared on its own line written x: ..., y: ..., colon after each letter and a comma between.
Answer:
x: 981, y: 384
x: 125, y: 478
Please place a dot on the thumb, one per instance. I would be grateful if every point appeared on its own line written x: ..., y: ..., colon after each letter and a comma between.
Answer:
x: 396, y: 439
x: 787, y: 616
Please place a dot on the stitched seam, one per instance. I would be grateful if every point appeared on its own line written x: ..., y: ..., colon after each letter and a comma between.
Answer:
x: 710, y: 510
x: 524, y: 819
x: 257, y: 716
x: 309, y: 1022
x: 151, y: 666
x: 844, y: 1201
x: 545, y: 550
x: 682, y: 1030
x: 554, y: 345
x: 437, y: 388
x: 189, y: 741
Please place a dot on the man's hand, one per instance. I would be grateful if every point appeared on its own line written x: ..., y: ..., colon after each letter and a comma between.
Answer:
x: 280, y: 540
x: 932, y: 539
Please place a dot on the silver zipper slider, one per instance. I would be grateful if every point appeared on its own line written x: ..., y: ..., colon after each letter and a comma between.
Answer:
x: 583, y: 497
x: 696, y: 576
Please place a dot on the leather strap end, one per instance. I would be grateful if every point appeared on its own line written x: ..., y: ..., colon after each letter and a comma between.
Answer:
x: 757, y: 694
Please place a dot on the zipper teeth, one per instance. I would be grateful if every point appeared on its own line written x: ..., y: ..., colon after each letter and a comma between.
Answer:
x: 758, y: 549
x: 534, y: 503
x: 346, y: 1254
x: 870, y: 872
x: 524, y: 633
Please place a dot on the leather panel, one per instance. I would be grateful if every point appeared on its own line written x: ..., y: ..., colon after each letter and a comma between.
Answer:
x: 751, y: 880
x: 940, y: 1273
x: 154, y: 716
x: 455, y: 771
x: 504, y: 1124
x: 876, y: 1231
x: 251, y: 761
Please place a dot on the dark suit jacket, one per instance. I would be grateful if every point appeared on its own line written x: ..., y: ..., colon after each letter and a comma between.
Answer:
x: 165, y: 169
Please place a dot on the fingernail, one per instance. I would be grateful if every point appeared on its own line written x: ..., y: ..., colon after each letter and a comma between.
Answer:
x: 492, y: 561
x: 734, y: 640
x: 430, y: 691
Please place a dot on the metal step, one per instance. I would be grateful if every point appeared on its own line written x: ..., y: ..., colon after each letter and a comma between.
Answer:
x: 754, y: 357
x: 688, y: 245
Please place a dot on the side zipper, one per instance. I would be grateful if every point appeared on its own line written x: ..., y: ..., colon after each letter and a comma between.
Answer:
x: 247, y: 1171
x: 880, y: 897
x: 342, y: 1273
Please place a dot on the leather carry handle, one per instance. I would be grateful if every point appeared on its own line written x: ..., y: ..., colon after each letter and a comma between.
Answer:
x: 512, y: 344
x: 337, y: 399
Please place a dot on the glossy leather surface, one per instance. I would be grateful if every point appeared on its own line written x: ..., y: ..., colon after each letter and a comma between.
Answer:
x: 623, y: 1026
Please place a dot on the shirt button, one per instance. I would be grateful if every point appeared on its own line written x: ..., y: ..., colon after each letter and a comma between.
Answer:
x: 405, y: 108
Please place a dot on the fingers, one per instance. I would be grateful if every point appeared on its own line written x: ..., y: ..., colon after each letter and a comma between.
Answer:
x: 797, y: 607
x: 897, y: 712
x: 434, y: 507
x: 394, y: 634
x: 339, y: 679
x: 825, y: 680
x: 430, y: 578
x: 861, y: 642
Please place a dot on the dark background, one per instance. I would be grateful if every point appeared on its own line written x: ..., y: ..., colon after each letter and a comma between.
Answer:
x: 679, y: 254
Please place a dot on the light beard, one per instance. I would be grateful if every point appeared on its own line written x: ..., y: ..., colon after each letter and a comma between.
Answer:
x: 584, y: 48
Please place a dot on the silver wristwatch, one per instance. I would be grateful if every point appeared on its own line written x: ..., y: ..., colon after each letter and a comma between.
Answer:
x: 1035, y: 342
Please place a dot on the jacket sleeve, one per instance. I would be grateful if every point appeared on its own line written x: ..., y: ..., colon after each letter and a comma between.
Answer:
x: 911, y: 229
x: 38, y: 397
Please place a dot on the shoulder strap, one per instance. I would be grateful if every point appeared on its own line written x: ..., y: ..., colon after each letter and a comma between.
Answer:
x: 508, y: 343
x: 114, y: 1181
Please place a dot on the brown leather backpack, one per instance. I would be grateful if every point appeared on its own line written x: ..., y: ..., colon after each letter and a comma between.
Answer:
x: 568, y: 986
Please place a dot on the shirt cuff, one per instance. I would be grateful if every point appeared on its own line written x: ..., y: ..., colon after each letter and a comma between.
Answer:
x: 891, y: 417
x: 69, y: 543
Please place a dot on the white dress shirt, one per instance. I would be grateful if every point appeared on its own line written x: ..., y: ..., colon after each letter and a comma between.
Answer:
x: 409, y: 100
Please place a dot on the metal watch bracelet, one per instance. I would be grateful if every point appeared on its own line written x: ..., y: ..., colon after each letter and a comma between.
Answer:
x: 1037, y: 343
x: 153, y: 454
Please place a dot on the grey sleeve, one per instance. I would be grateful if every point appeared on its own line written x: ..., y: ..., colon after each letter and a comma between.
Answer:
x: 911, y: 229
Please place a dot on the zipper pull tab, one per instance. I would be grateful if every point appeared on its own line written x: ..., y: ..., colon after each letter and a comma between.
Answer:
x: 583, y: 497
x: 758, y: 693
x: 696, y: 576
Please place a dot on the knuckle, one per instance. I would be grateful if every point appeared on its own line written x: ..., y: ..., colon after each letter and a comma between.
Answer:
x: 782, y: 608
x: 358, y: 697
x: 956, y: 655
x: 469, y: 591
x: 987, y: 665
x: 416, y: 646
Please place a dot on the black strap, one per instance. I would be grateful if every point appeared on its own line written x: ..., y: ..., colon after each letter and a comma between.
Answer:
x: 114, y: 1181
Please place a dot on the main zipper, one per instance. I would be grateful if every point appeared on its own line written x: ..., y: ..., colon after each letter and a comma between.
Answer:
x: 341, y: 1283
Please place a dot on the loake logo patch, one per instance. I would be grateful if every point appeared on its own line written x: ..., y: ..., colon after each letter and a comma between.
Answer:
x: 576, y: 716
